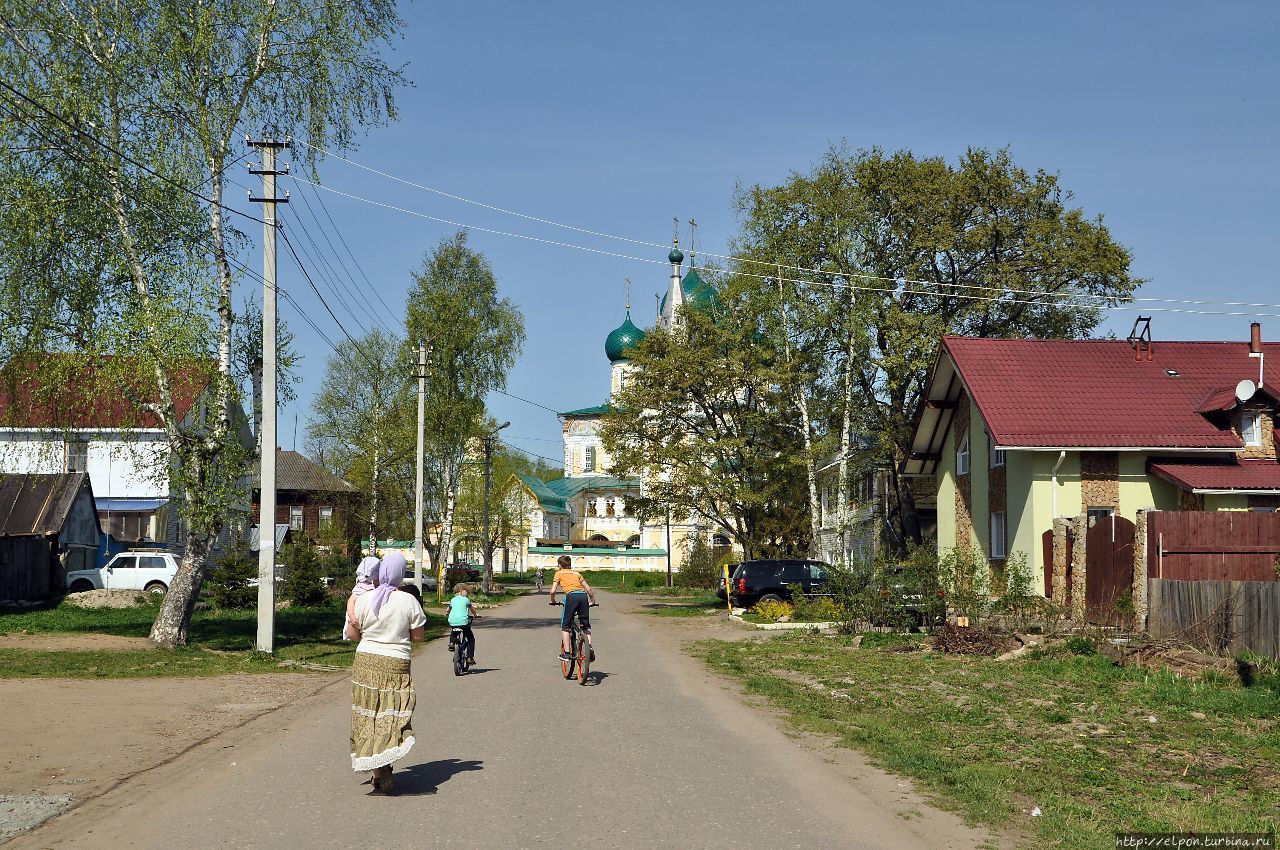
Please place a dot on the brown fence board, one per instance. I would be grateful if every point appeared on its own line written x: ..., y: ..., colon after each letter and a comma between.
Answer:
x: 1224, y: 616
x: 26, y: 571
x: 1213, y: 545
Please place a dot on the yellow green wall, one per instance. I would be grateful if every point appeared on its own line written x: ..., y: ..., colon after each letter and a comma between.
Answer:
x: 1226, y: 502
x: 947, y: 494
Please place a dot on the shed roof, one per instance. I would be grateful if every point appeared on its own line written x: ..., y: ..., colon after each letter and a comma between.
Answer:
x: 295, y: 471
x: 39, y: 505
x: 1200, y: 475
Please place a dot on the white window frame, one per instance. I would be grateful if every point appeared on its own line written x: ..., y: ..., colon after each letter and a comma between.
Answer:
x: 963, y: 455
x: 326, y: 516
x: 1254, y: 418
x: 299, y: 515
x: 995, y: 457
x: 76, y: 446
x: 589, y: 459
x: 998, y: 541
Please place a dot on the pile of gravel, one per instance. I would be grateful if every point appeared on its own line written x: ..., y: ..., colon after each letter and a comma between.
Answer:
x: 20, y: 812
x: 108, y: 598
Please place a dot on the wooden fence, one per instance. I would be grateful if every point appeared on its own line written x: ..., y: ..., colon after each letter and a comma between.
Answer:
x: 27, y: 570
x: 1222, y: 616
x: 1213, y: 545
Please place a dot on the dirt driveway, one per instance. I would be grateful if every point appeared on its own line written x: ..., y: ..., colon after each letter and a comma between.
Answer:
x: 108, y: 730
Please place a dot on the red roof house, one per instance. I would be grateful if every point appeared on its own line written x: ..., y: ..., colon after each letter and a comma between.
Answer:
x: 1020, y: 431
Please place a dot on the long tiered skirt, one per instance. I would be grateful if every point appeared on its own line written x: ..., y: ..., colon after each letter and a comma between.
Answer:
x: 382, y: 703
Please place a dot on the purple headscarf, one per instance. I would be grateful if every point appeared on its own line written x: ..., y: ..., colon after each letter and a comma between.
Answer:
x: 390, y: 574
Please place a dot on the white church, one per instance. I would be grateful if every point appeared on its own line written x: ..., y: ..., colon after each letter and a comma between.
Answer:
x: 585, y: 513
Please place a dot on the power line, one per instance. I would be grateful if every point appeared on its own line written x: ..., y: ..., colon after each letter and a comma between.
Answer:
x: 526, y: 401
x: 749, y: 260
x: 531, y: 454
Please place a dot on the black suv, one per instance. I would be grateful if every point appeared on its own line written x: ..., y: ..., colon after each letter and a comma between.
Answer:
x: 753, y: 581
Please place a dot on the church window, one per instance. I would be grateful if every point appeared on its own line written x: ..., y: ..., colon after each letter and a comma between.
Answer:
x: 590, y: 465
x: 591, y: 507
x: 609, y: 507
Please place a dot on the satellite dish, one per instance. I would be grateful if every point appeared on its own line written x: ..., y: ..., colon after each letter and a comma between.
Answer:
x: 1245, y: 390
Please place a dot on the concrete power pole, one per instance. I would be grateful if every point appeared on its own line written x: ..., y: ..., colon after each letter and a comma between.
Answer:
x: 267, y: 440
x: 486, y: 547
x: 418, y: 553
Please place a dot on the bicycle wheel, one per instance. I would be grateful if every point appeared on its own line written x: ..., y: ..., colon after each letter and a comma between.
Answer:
x: 584, y: 658
x: 459, y: 661
x: 567, y: 667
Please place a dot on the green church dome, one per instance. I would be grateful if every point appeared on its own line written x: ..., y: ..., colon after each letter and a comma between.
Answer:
x: 698, y: 294
x: 676, y: 256
x: 622, y: 340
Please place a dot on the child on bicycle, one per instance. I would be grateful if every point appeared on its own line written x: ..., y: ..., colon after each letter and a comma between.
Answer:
x: 461, y: 610
x: 578, y: 598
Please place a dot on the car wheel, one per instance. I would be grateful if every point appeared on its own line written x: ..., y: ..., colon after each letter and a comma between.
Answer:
x: 771, y: 597
x: 156, y: 587
x: 80, y: 586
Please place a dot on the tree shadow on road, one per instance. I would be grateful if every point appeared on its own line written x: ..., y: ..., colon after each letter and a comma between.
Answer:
x: 427, y: 778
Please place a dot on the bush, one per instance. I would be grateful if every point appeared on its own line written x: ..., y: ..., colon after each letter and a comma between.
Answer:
x: 965, y: 576
x: 229, y: 580
x: 338, y: 567
x: 644, y: 580
x: 701, y: 569
x: 301, y: 585
x: 771, y: 611
x: 1079, y: 645
x: 819, y: 610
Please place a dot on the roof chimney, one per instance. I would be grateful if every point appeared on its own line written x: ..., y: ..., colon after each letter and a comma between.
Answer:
x: 1255, y: 338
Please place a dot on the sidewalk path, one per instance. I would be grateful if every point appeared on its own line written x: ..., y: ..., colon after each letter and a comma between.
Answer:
x: 655, y: 753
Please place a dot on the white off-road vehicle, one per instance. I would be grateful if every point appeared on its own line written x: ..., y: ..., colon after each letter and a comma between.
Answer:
x: 150, y: 571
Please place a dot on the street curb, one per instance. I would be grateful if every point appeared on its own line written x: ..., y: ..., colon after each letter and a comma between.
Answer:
x: 782, y: 627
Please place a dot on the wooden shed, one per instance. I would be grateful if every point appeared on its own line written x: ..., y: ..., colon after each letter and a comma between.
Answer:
x: 48, y: 525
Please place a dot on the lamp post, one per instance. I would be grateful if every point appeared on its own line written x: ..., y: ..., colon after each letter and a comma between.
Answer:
x: 487, y: 548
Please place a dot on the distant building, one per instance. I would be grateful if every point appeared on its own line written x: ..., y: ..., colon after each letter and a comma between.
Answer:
x: 47, y: 525
x: 309, y: 498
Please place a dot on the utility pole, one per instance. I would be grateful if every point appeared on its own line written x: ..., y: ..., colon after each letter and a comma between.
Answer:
x: 668, y: 544
x: 266, y: 641
x: 418, y: 553
x: 487, y: 548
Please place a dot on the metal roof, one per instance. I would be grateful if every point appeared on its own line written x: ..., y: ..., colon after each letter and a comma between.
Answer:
x: 295, y: 471
x: 39, y: 505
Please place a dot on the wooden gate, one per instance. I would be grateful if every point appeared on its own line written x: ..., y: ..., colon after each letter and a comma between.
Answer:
x: 1108, y: 557
x: 1108, y: 566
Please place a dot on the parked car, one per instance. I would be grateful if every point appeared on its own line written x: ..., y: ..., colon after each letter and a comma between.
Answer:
x: 149, y: 570
x: 754, y: 581
x: 907, y: 604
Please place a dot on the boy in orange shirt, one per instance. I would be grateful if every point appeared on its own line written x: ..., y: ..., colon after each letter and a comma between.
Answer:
x: 578, y: 599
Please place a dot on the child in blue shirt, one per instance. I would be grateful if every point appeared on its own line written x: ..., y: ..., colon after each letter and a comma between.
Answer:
x: 460, y: 613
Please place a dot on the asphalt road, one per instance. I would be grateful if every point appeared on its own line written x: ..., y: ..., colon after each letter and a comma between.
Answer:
x: 655, y: 752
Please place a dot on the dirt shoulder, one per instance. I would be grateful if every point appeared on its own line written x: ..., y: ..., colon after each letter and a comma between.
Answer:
x: 83, y: 737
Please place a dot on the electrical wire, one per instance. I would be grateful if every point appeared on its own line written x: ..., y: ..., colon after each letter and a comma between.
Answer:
x: 748, y: 260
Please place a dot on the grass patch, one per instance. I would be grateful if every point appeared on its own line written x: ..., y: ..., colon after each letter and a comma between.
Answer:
x: 1070, y: 733
x: 686, y: 606
x: 220, y: 641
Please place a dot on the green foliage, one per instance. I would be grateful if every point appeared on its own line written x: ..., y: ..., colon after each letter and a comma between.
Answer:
x: 965, y: 576
x: 982, y: 224
x: 229, y: 580
x: 701, y: 569
x: 820, y: 609
x: 772, y: 610
x: 644, y: 581
x: 1081, y: 645
x: 709, y: 403
x: 302, y: 572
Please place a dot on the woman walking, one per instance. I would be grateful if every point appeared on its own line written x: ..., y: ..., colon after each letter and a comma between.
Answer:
x: 382, y: 695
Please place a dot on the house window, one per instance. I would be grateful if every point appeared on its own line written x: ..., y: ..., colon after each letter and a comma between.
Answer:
x: 295, y: 517
x: 610, y: 509
x: 77, y: 455
x: 1099, y: 515
x: 997, y: 535
x: 995, y: 455
x: 590, y: 464
x: 962, y: 455
x: 326, y: 517
x: 1251, y: 428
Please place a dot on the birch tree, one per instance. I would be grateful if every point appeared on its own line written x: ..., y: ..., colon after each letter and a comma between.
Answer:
x: 137, y: 107
x: 473, y: 338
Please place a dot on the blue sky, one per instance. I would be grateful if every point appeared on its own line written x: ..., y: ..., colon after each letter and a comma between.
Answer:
x: 1163, y: 117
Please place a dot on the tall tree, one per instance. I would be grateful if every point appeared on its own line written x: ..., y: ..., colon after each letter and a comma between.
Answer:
x: 131, y: 109
x: 473, y: 338
x: 706, y: 421
x: 361, y: 425
x: 887, y: 252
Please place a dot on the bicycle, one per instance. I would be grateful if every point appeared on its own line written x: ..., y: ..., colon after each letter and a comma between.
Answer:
x: 538, y: 583
x: 579, y: 648
x: 461, y: 648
